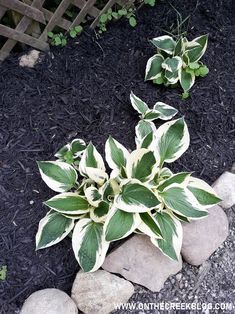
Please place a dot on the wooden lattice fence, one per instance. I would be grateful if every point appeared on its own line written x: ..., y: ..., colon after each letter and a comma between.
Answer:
x: 33, y: 21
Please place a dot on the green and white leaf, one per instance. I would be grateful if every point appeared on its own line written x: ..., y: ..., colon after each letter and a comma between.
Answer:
x: 135, y: 197
x: 203, y: 192
x: 172, y: 234
x: 97, y: 175
x: 166, y: 112
x: 141, y: 165
x: 139, y: 105
x: 154, y: 67
x: 181, y: 178
x: 52, y: 229
x: 151, y: 115
x: 164, y: 43
x: 92, y: 159
x: 109, y: 190
x: 187, y: 79
x: 93, y: 195
x: 120, y: 224
x: 172, y: 140
x: 89, y: 245
x: 142, y: 129
x: 58, y: 175
x: 195, y: 54
x: 116, y: 154
x: 77, y: 147
x: 172, y: 64
x: 147, y: 142
x: 183, y: 202
x: 69, y: 203
x: 149, y: 225
x: 98, y: 214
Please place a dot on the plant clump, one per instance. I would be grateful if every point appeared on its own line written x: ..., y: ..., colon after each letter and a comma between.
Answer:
x: 177, y: 62
x: 139, y: 195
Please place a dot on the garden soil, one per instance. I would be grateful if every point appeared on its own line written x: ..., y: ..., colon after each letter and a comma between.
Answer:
x: 82, y: 91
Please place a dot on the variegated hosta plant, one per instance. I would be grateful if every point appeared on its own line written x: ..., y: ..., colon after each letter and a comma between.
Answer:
x: 140, y: 194
x: 177, y: 61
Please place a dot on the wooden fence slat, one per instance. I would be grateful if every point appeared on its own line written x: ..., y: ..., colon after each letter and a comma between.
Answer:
x: 24, y: 38
x: 55, y: 18
x: 21, y: 27
x: 82, y: 14
x: 63, y: 23
x: 24, y: 9
x: 94, y: 12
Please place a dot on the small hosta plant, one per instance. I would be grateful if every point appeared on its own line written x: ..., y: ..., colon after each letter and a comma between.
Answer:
x: 177, y: 62
x: 139, y: 194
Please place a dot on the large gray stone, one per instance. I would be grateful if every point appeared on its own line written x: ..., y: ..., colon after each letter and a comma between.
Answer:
x: 224, y: 186
x: 140, y: 261
x: 49, y: 301
x: 100, y: 292
x: 202, y: 237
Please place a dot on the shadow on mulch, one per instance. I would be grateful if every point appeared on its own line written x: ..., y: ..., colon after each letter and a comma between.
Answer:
x: 83, y: 91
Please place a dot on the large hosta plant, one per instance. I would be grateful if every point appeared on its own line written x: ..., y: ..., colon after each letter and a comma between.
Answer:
x: 139, y: 194
x: 177, y: 61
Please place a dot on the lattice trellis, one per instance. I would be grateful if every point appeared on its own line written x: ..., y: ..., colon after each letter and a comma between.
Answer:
x: 34, y: 21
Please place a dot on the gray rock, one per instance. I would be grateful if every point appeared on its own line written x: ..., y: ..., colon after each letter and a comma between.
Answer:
x: 138, y: 260
x: 49, y: 301
x: 225, y: 188
x: 100, y: 292
x: 202, y: 237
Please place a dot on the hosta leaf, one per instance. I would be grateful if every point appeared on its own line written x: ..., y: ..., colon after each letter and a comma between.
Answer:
x: 93, y: 195
x: 172, y: 64
x: 182, y: 201
x: 140, y: 164
x: 142, y: 129
x: 109, y: 189
x: 197, y: 52
x: 154, y: 67
x: 53, y: 228
x: 58, y: 175
x: 62, y: 152
x: 136, y: 198
x: 97, y: 175
x: 115, y: 153
x: 180, y: 47
x: 147, y: 141
x: 179, y: 178
x: 119, y: 224
x: 149, y: 225
x: 166, y: 112
x: 139, y: 105
x: 92, y: 159
x: 77, y: 146
x: 204, y: 194
x: 69, y: 203
x: 164, y: 43
x: 187, y: 80
x: 172, y: 77
x: 172, y: 234
x: 89, y: 245
x: 172, y: 140
x: 151, y: 115
x: 99, y: 213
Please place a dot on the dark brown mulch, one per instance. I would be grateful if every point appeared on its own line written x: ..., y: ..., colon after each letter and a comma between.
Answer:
x: 83, y: 91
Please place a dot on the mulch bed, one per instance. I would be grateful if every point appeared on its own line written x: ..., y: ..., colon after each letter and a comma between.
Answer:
x: 83, y: 91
